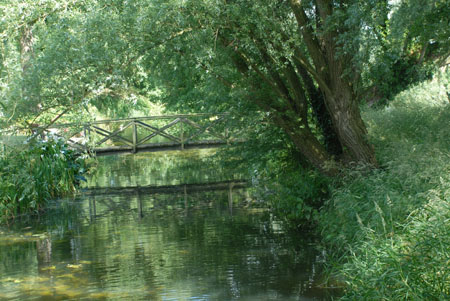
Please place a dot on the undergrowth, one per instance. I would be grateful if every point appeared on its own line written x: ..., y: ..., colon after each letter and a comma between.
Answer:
x: 389, y: 229
x: 277, y: 174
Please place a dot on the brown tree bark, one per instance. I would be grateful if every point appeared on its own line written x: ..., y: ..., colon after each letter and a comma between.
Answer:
x: 291, y: 114
x: 345, y: 113
x: 329, y: 71
x: 308, y: 145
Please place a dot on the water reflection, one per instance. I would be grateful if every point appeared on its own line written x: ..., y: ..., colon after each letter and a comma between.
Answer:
x: 159, y: 168
x: 201, y: 252
x: 184, y: 245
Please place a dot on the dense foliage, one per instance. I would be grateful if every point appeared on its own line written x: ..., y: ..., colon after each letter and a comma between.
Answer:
x: 40, y: 172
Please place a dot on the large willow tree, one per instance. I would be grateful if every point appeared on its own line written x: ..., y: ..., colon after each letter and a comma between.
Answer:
x: 287, y: 57
x: 306, y: 63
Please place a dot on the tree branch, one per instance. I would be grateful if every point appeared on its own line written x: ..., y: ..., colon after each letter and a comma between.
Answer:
x: 303, y: 61
x: 42, y: 129
x: 270, y: 62
x: 306, y: 31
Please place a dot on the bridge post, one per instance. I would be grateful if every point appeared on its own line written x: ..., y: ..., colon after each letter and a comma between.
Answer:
x: 182, y: 135
x: 135, y: 136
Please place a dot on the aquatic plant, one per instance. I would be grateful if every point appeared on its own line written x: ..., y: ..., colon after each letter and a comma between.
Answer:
x: 40, y: 171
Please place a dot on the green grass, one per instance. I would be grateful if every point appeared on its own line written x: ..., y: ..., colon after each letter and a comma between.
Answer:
x: 389, y: 229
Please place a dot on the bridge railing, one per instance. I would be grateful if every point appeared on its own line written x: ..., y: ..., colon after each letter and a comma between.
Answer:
x: 146, y: 133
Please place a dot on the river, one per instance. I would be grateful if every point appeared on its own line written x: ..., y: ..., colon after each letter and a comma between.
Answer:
x: 183, y: 242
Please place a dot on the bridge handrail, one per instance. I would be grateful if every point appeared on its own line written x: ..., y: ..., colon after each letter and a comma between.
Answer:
x: 156, y: 117
x: 188, y: 132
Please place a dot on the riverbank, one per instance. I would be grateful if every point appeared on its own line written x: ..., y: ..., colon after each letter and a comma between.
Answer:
x: 388, y: 229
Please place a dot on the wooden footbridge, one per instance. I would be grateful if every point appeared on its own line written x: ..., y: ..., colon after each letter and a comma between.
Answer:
x: 143, y: 134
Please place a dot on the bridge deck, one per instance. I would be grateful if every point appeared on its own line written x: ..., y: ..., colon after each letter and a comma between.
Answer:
x: 156, y: 147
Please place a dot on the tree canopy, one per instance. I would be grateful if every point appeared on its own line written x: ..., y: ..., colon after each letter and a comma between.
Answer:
x: 303, y: 66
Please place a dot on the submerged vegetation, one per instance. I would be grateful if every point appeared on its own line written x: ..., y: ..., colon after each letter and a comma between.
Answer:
x: 41, y: 171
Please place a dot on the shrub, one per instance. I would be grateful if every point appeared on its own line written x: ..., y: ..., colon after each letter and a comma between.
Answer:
x: 295, y: 195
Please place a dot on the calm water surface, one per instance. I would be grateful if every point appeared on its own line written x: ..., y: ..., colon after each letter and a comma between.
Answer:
x: 180, y: 245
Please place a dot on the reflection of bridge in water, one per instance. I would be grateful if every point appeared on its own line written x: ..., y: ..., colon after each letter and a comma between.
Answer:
x: 152, y: 133
x: 140, y: 191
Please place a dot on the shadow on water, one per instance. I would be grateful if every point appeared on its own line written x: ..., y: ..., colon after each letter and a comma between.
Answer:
x: 204, y: 244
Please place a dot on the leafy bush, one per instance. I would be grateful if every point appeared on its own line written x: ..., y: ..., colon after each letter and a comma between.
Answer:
x: 395, y: 73
x: 389, y: 228
x: 42, y: 171
x: 295, y: 194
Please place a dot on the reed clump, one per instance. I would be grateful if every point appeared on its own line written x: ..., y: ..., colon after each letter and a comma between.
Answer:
x: 35, y: 173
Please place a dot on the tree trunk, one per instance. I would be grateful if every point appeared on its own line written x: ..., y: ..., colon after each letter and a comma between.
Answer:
x: 344, y: 109
x: 323, y: 117
x: 314, y: 152
x: 329, y: 70
x: 308, y: 145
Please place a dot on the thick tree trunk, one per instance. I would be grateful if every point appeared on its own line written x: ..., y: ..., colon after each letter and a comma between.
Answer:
x: 314, y: 152
x: 308, y: 145
x: 329, y: 70
x: 331, y: 140
x: 290, y: 113
x: 344, y: 109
